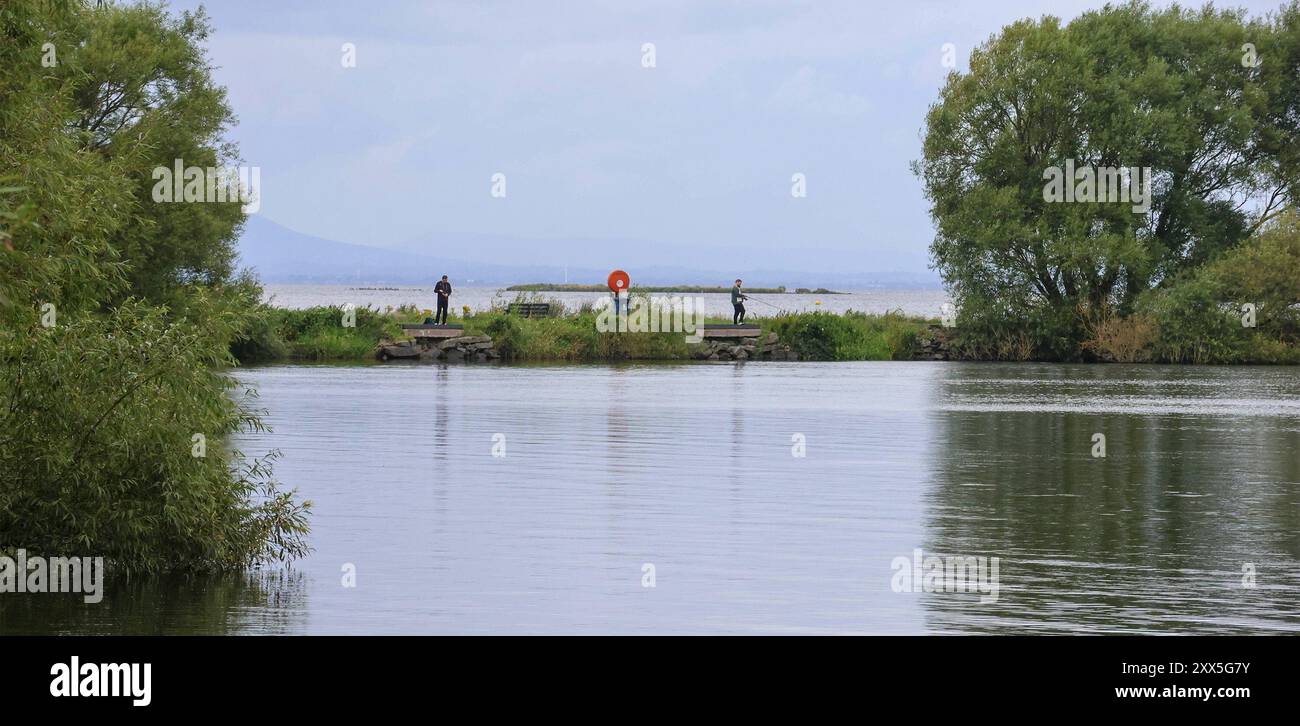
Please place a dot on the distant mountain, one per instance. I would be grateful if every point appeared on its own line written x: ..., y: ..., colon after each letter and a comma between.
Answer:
x: 281, y: 255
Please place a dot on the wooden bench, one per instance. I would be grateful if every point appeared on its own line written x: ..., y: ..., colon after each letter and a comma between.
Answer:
x: 530, y: 310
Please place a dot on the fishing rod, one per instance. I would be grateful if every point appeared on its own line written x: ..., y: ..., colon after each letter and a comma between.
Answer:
x: 770, y: 305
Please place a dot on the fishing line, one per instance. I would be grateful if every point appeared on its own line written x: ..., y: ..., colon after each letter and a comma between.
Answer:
x: 770, y: 305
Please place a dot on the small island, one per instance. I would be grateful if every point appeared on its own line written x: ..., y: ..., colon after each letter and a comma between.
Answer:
x: 683, y: 289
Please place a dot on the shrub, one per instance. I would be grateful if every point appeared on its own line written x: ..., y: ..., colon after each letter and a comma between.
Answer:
x: 98, y: 419
x: 507, y: 338
x: 994, y: 332
x: 1200, y: 317
x: 1122, y: 340
x: 319, y: 334
x: 852, y: 336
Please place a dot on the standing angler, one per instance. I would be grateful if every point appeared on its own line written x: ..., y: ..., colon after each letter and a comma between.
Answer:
x: 736, y: 297
x: 443, y: 288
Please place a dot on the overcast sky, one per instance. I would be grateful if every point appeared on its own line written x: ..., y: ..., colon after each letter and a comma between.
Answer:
x: 696, y: 153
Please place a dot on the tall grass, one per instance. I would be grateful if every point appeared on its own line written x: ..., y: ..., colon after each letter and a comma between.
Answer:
x: 319, y: 333
x: 851, y: 336
x: 572, y: 337
x: 569, y: 334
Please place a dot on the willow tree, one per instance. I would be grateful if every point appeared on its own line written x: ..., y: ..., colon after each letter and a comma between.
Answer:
x: 1205, y: 99
x: 115, y: 408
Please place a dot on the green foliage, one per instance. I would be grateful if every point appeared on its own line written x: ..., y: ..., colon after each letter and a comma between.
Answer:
x: 98, y: 416
x: 507, y: 335
x: 98, y: 410
x: 317, y: 334
x: 1196, y: 325
x: 817, y: 336
x: 1200, y: 315
x: 852, y: 336
x: 1124, y: 86
x: 131, y: 91
x: 572, y: 337
x: 260, y: 341
x: 144, y: 96
x: 1265, y: 272
x: 1042, y: 333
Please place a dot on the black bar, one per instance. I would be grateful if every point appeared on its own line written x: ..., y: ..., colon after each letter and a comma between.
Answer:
x: 922, y: 675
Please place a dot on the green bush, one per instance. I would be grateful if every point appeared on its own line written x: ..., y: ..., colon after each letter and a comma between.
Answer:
x: 1200, y: 316
x: 117, y: 314
x: 852, y: 336
x: 99, y: 450
x: 317, y: 333
x: 507, y: 336
x: 259, y: 341
x: 572, y: 337
x: 1195, y: 324
x: 994, y: 332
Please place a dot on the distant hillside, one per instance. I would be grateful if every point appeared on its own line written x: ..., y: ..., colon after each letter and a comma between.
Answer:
x: 281, y: 255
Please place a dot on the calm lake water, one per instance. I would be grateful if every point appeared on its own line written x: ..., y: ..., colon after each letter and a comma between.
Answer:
x: 691, y: 468
x: 922, y: 302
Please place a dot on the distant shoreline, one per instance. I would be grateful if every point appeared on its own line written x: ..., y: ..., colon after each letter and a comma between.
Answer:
x: 567, y: 287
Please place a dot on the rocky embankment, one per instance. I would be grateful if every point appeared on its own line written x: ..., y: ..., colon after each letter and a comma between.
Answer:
x: 479, y: 348
x: 474, y: 348
x: 745, y: 349
x: 932, y: 344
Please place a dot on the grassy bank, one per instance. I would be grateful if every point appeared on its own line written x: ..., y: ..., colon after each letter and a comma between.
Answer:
x: 571, y: 335
x: 568, y: 335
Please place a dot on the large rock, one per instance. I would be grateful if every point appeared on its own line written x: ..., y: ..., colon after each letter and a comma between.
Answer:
x: 389, y: 351
x: 467, y: 347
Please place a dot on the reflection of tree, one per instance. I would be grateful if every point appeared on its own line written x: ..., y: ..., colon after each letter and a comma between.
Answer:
x: 270, y: 602
x: 1152, y: 537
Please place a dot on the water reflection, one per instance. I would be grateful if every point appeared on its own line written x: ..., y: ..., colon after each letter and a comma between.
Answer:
x: 270, y: 602
x: 690, y: 468
x: 1200, y: 477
